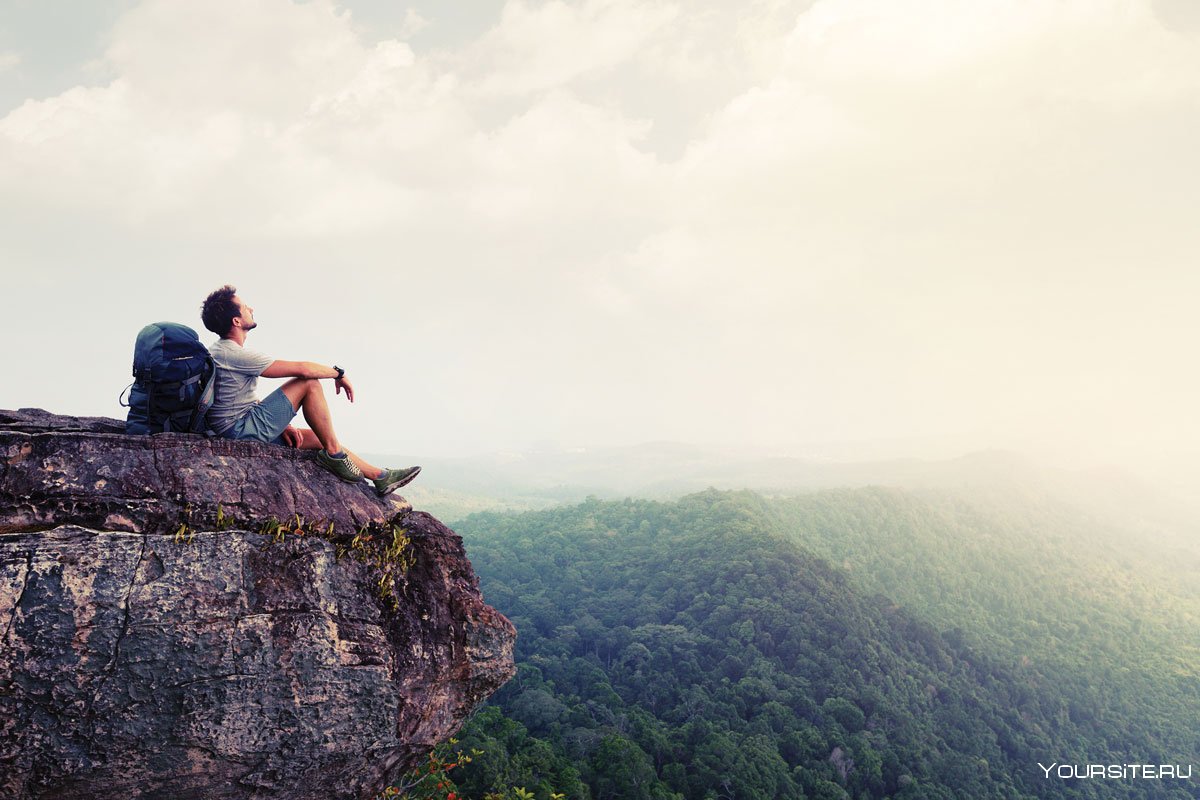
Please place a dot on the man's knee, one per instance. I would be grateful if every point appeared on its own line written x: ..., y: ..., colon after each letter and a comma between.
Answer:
x: 304, y: 384
x: 299, y: 390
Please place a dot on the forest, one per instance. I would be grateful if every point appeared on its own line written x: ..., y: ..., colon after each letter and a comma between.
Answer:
x: 866, y: 643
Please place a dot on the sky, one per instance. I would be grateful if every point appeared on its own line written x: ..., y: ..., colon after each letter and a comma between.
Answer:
x: 928, y: 225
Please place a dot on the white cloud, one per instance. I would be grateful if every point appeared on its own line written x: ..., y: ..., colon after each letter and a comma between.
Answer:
x: 972, y: 165
x: 287, y: 124
x: 413, y: 23
x: 890, y: 120
x: 888, y: 217
x: 269, y: 57
x: 542, y: 46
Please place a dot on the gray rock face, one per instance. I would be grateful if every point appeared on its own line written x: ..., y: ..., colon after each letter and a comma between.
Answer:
x: 153, y: 644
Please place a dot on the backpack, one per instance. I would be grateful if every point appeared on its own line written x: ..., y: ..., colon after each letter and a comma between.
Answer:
x: 172, y: 381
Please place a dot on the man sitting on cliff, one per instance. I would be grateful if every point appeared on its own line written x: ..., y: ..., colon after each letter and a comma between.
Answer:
x: 237, y: 413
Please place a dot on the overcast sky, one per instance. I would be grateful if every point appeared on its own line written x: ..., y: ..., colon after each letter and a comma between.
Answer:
x: 934, y: 224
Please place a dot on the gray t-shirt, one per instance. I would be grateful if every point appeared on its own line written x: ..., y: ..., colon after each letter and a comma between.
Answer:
x: 237, y: 376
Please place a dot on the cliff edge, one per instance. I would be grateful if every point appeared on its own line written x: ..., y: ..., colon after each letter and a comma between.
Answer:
x: 183, y: 617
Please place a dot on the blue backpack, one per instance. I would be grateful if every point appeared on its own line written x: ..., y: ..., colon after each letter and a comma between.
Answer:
x: 172, y: 381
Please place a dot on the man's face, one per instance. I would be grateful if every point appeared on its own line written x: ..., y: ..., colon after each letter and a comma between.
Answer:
x: 246, y: 315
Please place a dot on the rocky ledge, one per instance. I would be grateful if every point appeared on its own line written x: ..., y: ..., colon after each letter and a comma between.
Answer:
x: 184, y: 617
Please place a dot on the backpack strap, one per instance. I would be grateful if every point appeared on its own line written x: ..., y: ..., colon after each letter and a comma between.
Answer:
x: 199, y: 422
x: 186, y: 383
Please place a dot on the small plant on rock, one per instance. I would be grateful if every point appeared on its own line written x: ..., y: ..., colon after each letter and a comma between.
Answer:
x: 433, y: 782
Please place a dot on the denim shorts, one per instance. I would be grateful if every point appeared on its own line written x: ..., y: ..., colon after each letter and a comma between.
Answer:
x: 265, y: 420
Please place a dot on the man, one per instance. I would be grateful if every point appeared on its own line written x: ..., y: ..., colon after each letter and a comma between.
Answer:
x: 237, y: 413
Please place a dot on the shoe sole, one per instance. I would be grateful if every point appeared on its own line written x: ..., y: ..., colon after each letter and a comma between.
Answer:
x: 398, y: 484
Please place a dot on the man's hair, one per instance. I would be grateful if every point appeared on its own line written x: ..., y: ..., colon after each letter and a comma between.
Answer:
x: 219, y: 310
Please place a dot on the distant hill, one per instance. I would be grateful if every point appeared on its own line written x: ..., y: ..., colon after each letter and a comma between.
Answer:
x: 531, y: 480
x: 1108, y: 610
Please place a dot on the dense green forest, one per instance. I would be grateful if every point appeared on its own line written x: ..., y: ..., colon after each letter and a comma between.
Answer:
x: 843, y: 644
x: 1113, y: 619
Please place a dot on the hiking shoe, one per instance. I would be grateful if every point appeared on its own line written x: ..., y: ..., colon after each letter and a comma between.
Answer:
x: 393, y: 479
x: 343, y: 467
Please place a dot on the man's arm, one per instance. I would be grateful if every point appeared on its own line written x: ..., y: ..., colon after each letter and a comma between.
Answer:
x: 308, y: 369
x: 298, y: 369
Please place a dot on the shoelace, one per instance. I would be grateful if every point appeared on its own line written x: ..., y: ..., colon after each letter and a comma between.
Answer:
x: 354, y: 470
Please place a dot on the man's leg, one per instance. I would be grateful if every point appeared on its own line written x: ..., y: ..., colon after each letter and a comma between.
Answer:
x: 311, y: 442
x: 306, y: 395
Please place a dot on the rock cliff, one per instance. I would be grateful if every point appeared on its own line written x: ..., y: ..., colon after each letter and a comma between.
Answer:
x: 183, y: 617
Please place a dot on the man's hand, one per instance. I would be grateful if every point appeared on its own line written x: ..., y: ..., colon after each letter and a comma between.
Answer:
x: 292, y: 437
x: 343, y: 383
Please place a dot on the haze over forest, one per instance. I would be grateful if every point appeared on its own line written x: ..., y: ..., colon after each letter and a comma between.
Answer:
x: 937, y: 641
x: 900, y: 629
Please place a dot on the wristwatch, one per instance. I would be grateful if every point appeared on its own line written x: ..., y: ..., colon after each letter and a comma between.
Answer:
x: 341, y: 372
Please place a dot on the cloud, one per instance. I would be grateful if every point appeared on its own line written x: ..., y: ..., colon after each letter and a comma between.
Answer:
x: 866, y: 217
x: 893, y: 122
x: 289, y: 125
x: 935, y: 194
x: 539, y: 47
x: 195, y: 104
x: 412, y: 24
